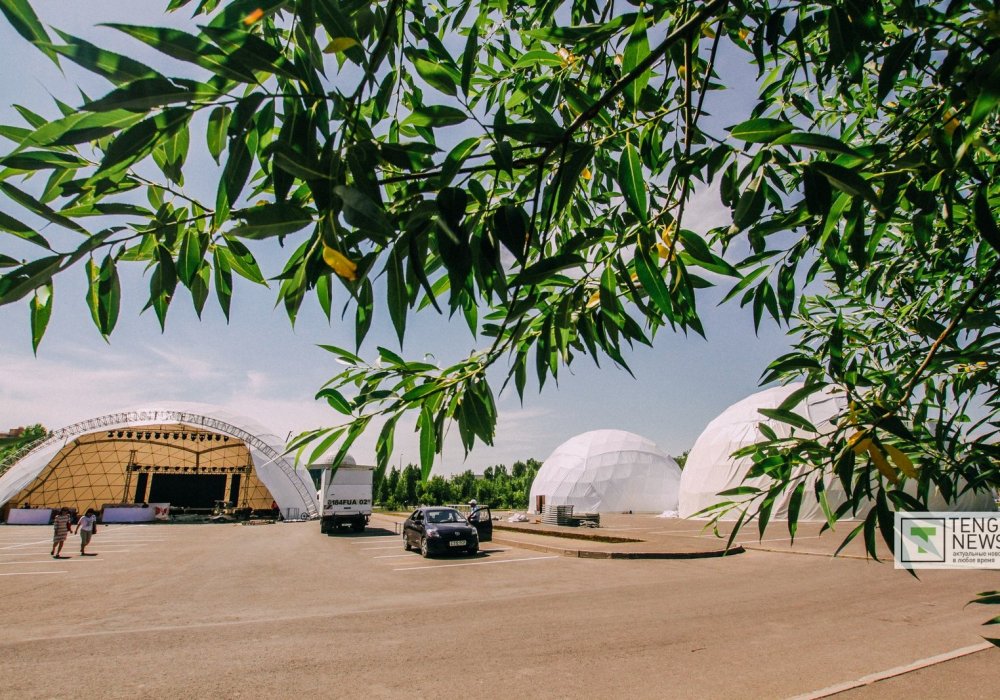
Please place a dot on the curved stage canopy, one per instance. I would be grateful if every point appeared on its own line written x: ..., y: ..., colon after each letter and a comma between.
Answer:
x: 185, y: 454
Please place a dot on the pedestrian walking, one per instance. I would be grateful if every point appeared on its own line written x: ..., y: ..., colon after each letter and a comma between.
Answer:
x: 61, y: 524
x: 86, y: 528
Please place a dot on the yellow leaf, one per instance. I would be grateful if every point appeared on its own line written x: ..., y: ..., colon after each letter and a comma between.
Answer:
x: 744, y: 33
x: 707, y: 31
x: 253, y: 17
x: 901, y: 460
x: 950, y: 121
x: 586, y: 174
x: 682, y: 71
x: 594, y: 300
x: 340, y: 263
x: 883, y: 465
x: 859, y: 442
x: 340, y: 43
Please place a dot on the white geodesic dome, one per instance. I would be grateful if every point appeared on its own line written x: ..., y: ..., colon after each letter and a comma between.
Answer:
x: 608, y: 471
x: 710, y: 469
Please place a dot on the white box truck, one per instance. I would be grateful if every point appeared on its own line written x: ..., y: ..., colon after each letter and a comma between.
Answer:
x: 345, y: 497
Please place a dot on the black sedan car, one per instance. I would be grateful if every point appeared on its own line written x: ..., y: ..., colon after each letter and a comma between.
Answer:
x: 437, y: 530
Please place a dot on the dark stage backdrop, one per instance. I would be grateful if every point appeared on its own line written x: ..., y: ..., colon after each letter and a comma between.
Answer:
x: 188, y: 490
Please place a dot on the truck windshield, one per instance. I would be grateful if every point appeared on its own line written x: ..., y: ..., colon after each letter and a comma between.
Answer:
x: 444, y: 516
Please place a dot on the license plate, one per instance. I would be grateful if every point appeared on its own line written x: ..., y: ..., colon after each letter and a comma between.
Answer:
x: 457, y: 543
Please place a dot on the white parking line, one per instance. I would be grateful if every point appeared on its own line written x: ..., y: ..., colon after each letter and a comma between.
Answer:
x: 34, y: 573
x: 363, y: 540
x: 368, y: 549
x: 65, y: 560
x: 752, y: 541
x: 26, y: 544
x: 476, y: 563
x: 412, y: 554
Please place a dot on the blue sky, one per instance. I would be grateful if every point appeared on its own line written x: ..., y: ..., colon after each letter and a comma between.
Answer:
x: 258, y: 365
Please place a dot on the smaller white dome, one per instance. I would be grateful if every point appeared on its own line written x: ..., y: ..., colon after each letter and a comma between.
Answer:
x: 608, y: 471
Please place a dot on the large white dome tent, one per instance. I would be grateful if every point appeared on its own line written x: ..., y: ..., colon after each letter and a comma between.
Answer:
x: 710, y: 468
x: 107, y: 458
x: 607, y: 471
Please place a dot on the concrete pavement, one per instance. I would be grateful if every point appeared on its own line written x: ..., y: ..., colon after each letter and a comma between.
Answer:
x: 281, y: 611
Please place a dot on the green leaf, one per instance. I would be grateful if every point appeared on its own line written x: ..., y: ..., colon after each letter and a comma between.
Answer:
x: 469, y: 57
x: 435, y: 116
x: 397, y: 293
x: 26, y: 23
x: 115, y: 67
x: 82, y: 127
x: 103, y: 294
x: 651, y: 278
x: 234, y: 178
x: 218, y: 126
x: 455, y: 159
x: 897, y: 58
x: 362, y: 212
x: 761, y: 130
x: 546, y: 267
x: 190, y: 257
x: 794, y: 504
x: 138, y: 141
x: 985, y: 222
x: 39, y: 209
x: 271, y: 219
x: 632, y: 182
x: 21, y: 230
x: 510, y: 225
x: 439, y: 76
x: 41, y: 311
x: 223, y: 275
x: 816, y: 142
x: 336, y: 401
x: 783, y: 416
x: 636, y: 52
x: 846, y: 180
x: 242, y: 261
x: 143, y: 95
x: 428, y: 441
x: 536, y: 58
x: 696, y: 247
x: 188, y: 48
x: 569, y: 174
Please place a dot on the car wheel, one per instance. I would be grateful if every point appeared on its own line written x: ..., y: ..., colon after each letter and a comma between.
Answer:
x: 424, y: 551
x: 473, y: 551
x: 406, y: 543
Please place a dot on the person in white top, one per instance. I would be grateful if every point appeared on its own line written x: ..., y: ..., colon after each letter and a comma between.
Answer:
x: 86, y: 528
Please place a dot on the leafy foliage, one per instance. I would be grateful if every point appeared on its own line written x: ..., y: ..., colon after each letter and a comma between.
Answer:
x: 12, y: 445
x: 530, y: 168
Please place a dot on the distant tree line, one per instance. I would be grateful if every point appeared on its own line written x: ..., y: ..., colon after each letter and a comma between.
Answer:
x: 498, y: 487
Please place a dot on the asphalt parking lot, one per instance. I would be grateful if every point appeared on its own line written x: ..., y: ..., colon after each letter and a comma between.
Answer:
x: 178, y: 611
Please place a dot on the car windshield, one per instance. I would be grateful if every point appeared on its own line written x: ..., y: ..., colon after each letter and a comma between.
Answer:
x: 444, y: 516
